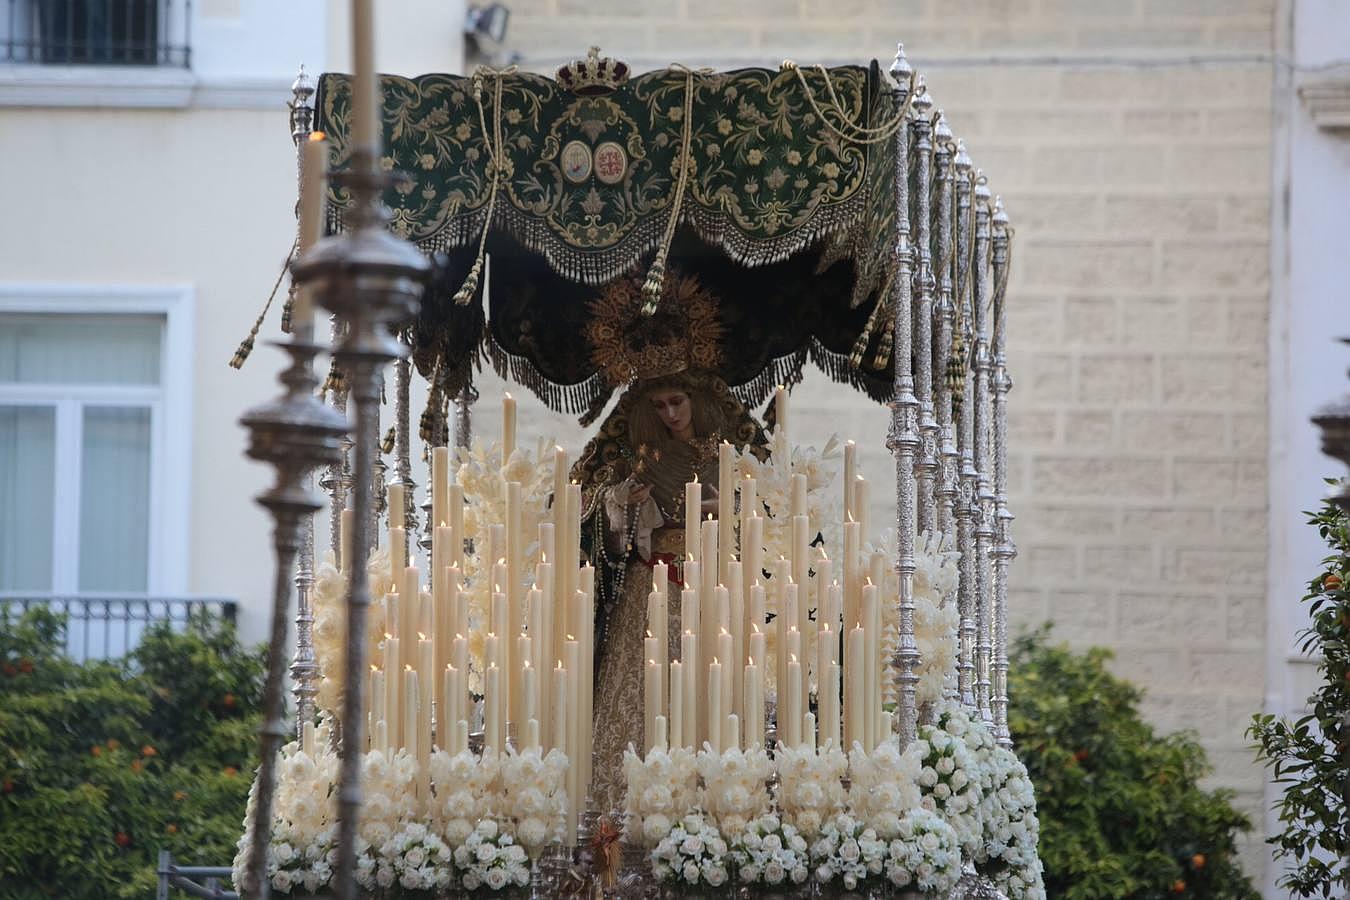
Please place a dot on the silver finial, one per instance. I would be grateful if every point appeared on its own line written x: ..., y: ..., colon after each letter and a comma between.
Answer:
x: 1000, y: 218
x: 942, y: 133
x: 303, y: 86
x: 963, y: 162
x: 981, y: 186
x: 922, y: 101
x: 901, y: 71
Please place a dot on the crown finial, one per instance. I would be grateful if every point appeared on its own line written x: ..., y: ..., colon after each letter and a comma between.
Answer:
x: 303, y: 86
x: 901, y: 71
x: 981, y: 187
x: 922, y: 101
x: 593, y: 75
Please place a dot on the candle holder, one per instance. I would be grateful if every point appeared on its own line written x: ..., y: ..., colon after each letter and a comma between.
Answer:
x: 293, y: 433
x: 371, y: 281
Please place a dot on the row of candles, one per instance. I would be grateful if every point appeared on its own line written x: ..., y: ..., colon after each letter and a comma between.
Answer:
x: 538, y: 649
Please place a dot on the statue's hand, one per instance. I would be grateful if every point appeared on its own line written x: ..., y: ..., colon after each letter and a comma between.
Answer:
x: 639, y: 494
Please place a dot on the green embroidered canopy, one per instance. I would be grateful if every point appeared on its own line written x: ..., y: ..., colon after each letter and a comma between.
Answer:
x: 786, y: 214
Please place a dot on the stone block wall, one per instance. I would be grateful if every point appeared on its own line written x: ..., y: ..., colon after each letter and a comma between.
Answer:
x: 1131, y: 141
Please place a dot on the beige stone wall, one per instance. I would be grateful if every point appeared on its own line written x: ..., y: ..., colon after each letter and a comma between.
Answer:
x: 1138, y: 176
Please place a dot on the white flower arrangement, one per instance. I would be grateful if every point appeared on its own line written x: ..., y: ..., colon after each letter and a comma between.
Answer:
x: 661, y: 790
x: 925, y: 854
x: 299, y: 853
x: 770, y: 852
x: 482, y: 477
x: 936, y: 619
x: 950, y: 781
x: 465, y: 787
x: 534, y: 796
x: 1011, y: 829
x: 328, y: 600
x: 490, y: 858
x: 882, y: 786
x: 692, y: 853
x: 387, y: 784
x: 735, y: 786
x: 810, y: 786
x: 849, y: 851
x: 416, y: 859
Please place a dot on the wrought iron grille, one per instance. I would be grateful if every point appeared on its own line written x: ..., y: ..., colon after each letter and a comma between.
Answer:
x: 184, y: 878
x: 107, y: 626
x: 97, y: 32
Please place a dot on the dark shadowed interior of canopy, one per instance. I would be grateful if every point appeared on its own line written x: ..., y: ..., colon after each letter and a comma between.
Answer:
x: 777, y: 318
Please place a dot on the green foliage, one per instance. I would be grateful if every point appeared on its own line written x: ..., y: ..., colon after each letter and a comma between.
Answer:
x: 1311, y: 756
x: 103, y: 764
x: 1121, y: 811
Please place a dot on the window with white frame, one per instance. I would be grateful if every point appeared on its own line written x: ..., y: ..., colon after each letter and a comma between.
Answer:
x: 88, y: 443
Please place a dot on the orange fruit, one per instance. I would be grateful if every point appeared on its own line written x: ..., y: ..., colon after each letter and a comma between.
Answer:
x: 1178, y: 887
x: 1332, y: 582
x: 123, y: 839
x: 1198, y: 860
x: 147, y: 750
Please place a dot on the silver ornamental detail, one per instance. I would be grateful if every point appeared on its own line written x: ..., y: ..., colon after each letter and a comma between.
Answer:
x: 926, y: 465
x: 946, y: 318
x: 966, y: 509
x: 984, y: 495
x: 903, y: 439
x: 1004, y: 550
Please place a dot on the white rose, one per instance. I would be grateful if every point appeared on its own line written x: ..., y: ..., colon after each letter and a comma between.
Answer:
x: 927, y: 778
x: 486, y: 853
x: 945, y: 766
x: 691, y: 872
x: 384, y: 876
x: 849, y: 851
x: 773, y: 872
x: 715, y: 875
x: 496, y: 878
x: 282, y: 881
x: 942, y: 792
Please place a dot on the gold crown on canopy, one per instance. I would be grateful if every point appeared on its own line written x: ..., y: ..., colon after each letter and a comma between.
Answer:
x: 685, y: 334
x: 593, y: 75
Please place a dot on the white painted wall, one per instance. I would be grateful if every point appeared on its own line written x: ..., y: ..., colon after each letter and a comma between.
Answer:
x: 1309, y: 312
x: 102, y: 191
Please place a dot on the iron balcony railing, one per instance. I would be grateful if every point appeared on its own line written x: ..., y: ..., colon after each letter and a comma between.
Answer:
x: 97, y: 32
x: 108, y: 626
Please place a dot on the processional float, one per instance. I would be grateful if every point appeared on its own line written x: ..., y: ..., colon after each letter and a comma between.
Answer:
x: 839, y: 222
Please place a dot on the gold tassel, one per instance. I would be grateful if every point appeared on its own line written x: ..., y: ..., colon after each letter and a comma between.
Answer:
x: 246, y: 345
x: 651, y: 288
x: 956, y: 370
x: 286, y: 311
x: 387, y: 445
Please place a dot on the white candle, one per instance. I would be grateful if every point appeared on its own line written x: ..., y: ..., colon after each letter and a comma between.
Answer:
x: 508, y: 427
x: 518, y: 698
x: 426, y: 672
x: 572, y: 665
x: 559, y: 490
x: 529, y: 704
x: 752, y: 550
x: 456, y: 513
x: 855, y: 666
x: 726, y: 508
x: 872, y: 664
x: 689, y: 654
x: 410, y: 612
x: 809, y: 730
x: 558, y: 736
x: 677, y: 738
x: 440, y: 485
x: 852, y: 582
x: 754, y: 705
x: 829, y: 704
x: 448, y: 715
x: 345, y: 540
x: 862, y: 502
x: 850, y: 472
x: 651, y: 695
x: 780, y: 408
x: 378, y: 696
x: 731, y: 734
x: 365, y: 83
x: 791, y: 716
x: 492, y: 712
x: 724, y: 651
x: 514, y: 597
x: 714, y: 723
x: 393, y: 708
x: 411, y: 713
x: 693, y: 493
x: 661, y: 741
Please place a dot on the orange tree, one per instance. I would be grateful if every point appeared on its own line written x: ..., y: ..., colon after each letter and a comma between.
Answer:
x: 104, y: 763
x: 1121, y: 811
x: 1310, y: 757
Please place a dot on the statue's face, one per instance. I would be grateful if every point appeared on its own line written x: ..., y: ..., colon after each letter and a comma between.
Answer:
x: 675, y: 410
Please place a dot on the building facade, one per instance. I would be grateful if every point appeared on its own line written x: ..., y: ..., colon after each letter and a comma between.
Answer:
x: 1170, y: 168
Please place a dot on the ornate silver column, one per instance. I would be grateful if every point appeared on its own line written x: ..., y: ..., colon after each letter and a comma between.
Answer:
x: 371, y: 281
x: 903, y: 439
x: 946, y: 315
x: 403, y: 446
x: 464, y: 402
x: 984, y: 496
x: 962, y: 392
x: 926, y: 468
x: 1004, y: 551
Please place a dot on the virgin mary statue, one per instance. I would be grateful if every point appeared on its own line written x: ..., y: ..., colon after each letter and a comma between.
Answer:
x: 663, y: 433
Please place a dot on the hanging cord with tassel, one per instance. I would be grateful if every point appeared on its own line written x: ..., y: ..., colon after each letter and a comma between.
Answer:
x: 656, y: 275
x: 958, y: 363
x: 246, y: 345
x: 496, y: 162
x: 861, y: 134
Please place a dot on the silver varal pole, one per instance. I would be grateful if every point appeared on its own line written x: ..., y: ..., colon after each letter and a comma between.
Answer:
x: 926, y: 466
x: 1004, y: 550
x: 962, y: 392
x: 304, y: 668
x: 984, y: 497
x: 946, y: 315
x: 372, y: 282
x: 903, y: 438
